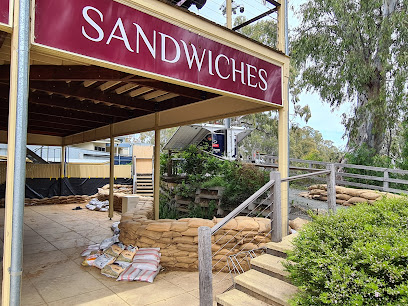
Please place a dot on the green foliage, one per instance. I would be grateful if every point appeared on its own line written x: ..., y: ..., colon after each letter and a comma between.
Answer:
x: 215, y: 181
x: 164, y: 160
x: 196, y: 211
x: 308, y: 143
x: 205, y: 171
x: 264, y: 30
x: 243, y: 181
x: 368, y: 157
x: 356, y: 52
x: 357, y: 257
x: 264, y: 137
x: 167, y: 209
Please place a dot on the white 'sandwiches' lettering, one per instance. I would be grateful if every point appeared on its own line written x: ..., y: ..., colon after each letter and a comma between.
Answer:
x: 92, y: 23
x: 219, y: 65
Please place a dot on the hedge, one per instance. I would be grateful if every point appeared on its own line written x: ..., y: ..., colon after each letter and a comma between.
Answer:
x: 358, y: 256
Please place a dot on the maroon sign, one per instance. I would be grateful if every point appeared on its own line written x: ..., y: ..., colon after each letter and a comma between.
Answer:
x: 113, y: 32
x: 5, y: 11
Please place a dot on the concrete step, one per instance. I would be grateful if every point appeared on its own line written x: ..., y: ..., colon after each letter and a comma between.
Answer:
x: 265, y: 288
x: 238, y: 298
x: 270, y: 265
x: 280, y: 249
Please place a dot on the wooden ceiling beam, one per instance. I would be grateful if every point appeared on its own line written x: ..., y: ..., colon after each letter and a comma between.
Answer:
x: 96, y: 95
x: 64, y: 113
x: 174, y: 102
x: 172, y: 88
x: 84, y: 124
x: 85, y: 106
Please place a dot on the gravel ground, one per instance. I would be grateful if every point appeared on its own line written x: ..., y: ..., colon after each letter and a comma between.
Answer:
x: 300, y: 205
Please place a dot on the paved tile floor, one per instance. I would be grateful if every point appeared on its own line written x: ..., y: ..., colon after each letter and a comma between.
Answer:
x: 54, y: 237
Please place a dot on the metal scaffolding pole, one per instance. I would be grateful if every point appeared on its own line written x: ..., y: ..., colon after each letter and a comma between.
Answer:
x: 17, y: 146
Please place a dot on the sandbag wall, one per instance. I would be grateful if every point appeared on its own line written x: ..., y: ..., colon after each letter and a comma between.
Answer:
x: 346, y: 196
x: 178, y: 239
x: 119, y: 191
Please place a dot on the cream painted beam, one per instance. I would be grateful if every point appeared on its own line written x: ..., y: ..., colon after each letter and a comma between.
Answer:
x: 217, y: 108
x: 283, y: 163
x: 156, y: 184
x: 281, y: 27
x: 111, y: 170
x: 36, y: 139
x: 229, y: 13
x: 62, y: 174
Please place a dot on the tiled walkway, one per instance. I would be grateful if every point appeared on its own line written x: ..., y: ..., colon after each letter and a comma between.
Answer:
x: 54, y: 237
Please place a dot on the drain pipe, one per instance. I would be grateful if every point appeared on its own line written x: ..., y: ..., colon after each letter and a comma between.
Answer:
x: 20, y: 151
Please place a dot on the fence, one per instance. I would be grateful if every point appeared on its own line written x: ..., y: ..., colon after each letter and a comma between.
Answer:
x: 72, y: 170
x: 377, y: 178
x: 238, y: 234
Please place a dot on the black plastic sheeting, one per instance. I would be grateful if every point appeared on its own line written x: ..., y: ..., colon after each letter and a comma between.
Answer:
x: 46, y: 188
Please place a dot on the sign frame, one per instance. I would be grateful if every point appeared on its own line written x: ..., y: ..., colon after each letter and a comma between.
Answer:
x: 86, y: 59
x: 8, y: 27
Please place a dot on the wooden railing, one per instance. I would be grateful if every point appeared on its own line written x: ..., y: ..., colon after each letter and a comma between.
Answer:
x: 384, y: 174
x: 273, y: 199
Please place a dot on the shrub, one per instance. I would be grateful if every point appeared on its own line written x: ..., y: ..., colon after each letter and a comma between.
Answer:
x: 243, y: 181
x: 357, y: 257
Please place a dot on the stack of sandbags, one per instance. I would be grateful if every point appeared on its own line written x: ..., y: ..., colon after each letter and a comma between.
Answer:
x: 178, y: 239
x: 119, y: 191
x: 72, y: 199
x: 143, y: 210
x: 127, y: 189
x: 346, y: 196
x: 297, y: 224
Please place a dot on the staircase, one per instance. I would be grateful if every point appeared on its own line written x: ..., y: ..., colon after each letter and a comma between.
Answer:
x: 144, y: 185
x: 265, y: 283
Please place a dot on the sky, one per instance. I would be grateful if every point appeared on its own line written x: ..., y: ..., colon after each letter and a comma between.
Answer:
x: 323, y: 119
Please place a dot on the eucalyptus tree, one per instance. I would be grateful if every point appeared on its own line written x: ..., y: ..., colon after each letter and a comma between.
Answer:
x: 355, y: 51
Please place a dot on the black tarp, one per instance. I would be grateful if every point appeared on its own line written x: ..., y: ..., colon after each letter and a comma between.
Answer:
x: 39, y: 188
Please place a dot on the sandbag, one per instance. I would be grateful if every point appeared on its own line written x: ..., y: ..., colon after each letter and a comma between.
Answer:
x: 342, y: 196
x: 146, y: 240
x: 150, y: 234
x: 186, y: 247
x: 147, y: 276
x: 188, y: 260
x: 196, y: 222
x: 247, y: 224
x: 159, y: 226
x: 355, y: 200
x: 370, y: 195
x: 230, y: 225
x: 354, y: 192
x: 193, y: 231
x: 184, y: 239
x: 297, y: 223
x: 178, y: 226
x: 112, y: 270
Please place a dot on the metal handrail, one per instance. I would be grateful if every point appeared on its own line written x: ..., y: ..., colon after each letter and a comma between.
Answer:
x: 302, y: 176
x: 241, y: 207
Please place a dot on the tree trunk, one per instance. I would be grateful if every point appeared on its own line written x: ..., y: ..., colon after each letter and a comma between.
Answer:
x: 369, y: 123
